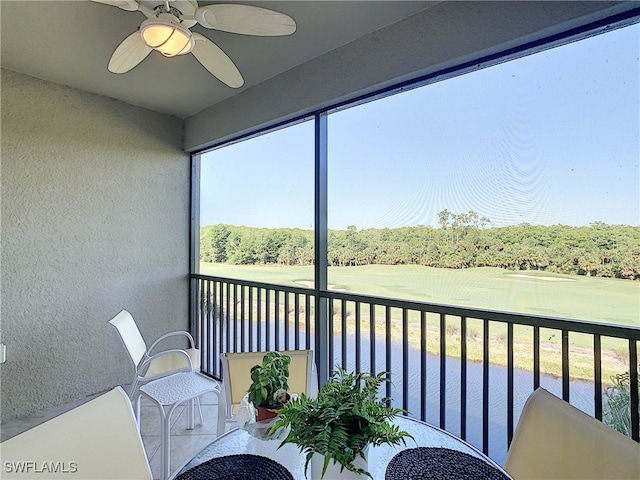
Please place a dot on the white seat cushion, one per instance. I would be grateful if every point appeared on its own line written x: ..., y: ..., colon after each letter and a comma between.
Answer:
x: 554, y: 440
x: 97, y: 440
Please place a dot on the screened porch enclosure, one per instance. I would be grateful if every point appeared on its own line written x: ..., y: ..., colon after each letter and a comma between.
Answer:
x: 521, y: 140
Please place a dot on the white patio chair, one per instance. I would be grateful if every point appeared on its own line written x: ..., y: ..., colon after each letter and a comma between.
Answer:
x: 236, y: 377
x: 97, y: 440
x: 555, y: 440
x: 149, y: 366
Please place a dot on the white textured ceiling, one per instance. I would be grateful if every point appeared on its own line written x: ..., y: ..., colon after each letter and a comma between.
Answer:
x: 334, y: 52
x: 70, y: 43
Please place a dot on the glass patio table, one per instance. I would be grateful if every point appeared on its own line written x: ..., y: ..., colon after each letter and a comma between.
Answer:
x: 384, y: 462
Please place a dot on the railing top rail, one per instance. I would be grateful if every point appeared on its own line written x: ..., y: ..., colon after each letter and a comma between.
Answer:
x: 250, y: 283
x: 558, y: 323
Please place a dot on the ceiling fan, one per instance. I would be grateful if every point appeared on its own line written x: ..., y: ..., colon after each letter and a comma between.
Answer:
x: 167, y: 30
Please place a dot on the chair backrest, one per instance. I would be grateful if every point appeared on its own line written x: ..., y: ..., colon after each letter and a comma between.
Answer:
x: 554, y: 440
x: 131, y: 336
x: 96, y: 440
x: 236, y: 372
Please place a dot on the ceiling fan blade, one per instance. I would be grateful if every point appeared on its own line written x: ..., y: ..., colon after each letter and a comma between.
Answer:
x: 246, y: 20
x: 129, y: 53
x: 216, y: 61
x: 129, y: 5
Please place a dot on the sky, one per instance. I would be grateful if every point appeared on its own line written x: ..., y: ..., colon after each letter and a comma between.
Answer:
x: 551, y: 138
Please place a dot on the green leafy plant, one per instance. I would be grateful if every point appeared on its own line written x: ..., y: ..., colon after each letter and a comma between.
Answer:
x: 270, y: 380
x: 342, y: 421
x: 616, y: 410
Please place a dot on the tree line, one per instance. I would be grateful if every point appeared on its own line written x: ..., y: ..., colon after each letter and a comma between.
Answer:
x: 462, y: 240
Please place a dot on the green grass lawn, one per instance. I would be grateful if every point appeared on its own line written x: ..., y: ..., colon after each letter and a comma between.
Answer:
x: 583, y: 298
x: 568, y: 296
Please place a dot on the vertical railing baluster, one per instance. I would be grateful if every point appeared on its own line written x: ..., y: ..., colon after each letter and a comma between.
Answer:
x: 215, y: 330
x: 358, y: 345
x: 343, y: 323
x: 201, y: 289
x: 286, y: 320
x: 212, y: 337
x: 276, y: 320
x: 227, y: 320
x: 372, y: 338
x: 235, y: 318
x: 633, y: 385
x: 509, y: 383
x: 565, y: 365
x: 259, y: 321
x: 443, y: 369
x: 296, y: 319
x: 463, y: 378
x: 219, y: 302
x: 251, y: 320
x: 267, y: 320
x: 536, y: 357
x: 210, y: 319
x: 242, y: 319
x: 331, y: 337
x: 307, y: 321
x: 205, y: 329
x: 217, y: 327
x: 597, y: 376
x: 387, y: 367
x: 485, y: 388
x: 423, y: 366
x: 227, y: 317
x: 405, y: 359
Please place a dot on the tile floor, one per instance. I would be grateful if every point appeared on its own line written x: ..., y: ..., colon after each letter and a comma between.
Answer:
x: 185, y: 444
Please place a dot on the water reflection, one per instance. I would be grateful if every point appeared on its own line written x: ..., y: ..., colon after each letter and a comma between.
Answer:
x: 581, y: 392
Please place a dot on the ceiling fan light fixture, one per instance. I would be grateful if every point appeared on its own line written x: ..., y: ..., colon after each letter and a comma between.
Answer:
x: 167, y: 30
x: 166, y: 36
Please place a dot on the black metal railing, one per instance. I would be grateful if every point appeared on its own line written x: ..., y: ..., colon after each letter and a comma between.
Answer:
x: 460, y: 368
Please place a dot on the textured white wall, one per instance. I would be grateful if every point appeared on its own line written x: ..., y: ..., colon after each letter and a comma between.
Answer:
x: 95, y: 218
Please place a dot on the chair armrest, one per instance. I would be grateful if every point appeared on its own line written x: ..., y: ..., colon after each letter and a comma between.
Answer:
x: 172, y: 334
x: 142, y: 368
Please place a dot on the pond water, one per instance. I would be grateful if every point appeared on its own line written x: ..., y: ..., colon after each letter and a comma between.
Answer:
x: 581, y: 392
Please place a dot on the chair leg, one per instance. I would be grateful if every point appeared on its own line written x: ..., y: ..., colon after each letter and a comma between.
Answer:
x: 222, y: 414
x: 133, y: 390
x: 191, y: 413
x: 136, y: 409
x: 200, y: 411
x: 134, y: 395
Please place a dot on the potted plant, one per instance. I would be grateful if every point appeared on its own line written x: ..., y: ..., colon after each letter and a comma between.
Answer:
x: 341, y: 422
x: 268, y: 390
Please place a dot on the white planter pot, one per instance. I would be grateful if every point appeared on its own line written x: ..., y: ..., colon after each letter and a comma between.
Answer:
x: 333, y: 469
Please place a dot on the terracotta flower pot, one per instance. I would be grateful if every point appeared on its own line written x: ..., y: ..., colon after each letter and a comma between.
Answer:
x: 265, y: 413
